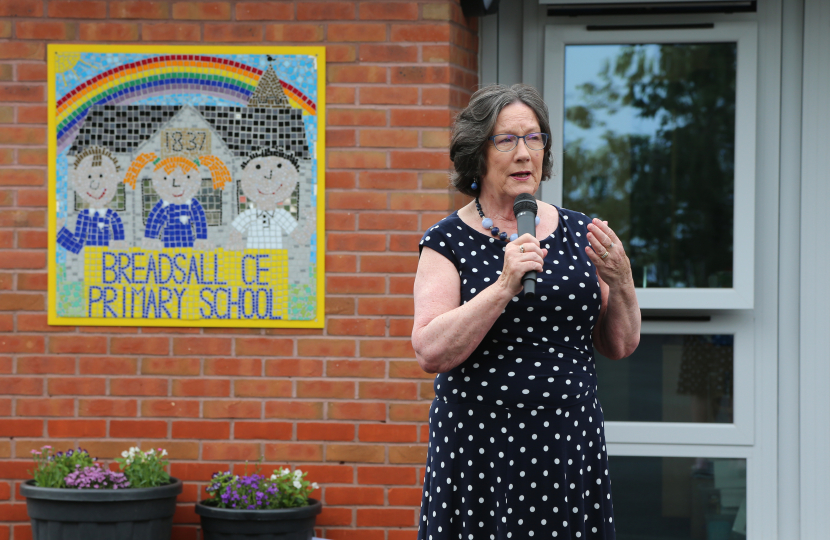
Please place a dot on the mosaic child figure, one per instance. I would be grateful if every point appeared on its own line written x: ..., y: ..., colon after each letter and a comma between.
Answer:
x: 269, y: 176
x: 173, y: 219
x: 95, y: 180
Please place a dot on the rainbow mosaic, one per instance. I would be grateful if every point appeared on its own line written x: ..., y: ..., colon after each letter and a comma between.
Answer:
x: 184, y: 187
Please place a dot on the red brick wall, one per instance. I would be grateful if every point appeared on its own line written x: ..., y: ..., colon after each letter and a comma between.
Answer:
x: 348, y: 403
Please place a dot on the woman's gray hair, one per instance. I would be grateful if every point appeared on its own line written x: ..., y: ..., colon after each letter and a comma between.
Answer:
x: 474, y: 125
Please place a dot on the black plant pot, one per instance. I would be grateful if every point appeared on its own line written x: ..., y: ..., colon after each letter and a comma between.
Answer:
x: 281, y: 524
x: 91, y: 514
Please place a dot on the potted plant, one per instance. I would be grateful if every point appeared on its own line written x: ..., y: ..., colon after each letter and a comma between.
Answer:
x: 275, y: 507
x: 73, y: 496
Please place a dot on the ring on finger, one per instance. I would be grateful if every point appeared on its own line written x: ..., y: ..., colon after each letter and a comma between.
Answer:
x: 604, y: 255
x: 522, y: 249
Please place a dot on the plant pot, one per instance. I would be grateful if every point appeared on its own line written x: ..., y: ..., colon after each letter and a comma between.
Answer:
x: 280, y: 524
x: 91, y: 514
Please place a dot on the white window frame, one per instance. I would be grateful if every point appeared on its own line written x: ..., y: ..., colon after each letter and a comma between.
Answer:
x: 742, y: 429
x: 741, y: 295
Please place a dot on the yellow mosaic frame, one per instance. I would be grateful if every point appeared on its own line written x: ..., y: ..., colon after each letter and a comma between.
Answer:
x: 245, y: 302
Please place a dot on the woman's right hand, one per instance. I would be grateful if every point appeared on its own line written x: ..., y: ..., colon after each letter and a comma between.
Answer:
x: 517, y: 263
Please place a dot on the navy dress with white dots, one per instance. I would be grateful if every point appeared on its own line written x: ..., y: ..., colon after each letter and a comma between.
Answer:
x: 517, y: 445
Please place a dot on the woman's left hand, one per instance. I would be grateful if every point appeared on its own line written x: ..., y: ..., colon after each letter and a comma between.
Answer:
x: 615, y: 268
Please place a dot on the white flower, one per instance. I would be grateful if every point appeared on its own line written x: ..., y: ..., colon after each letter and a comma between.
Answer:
x: 314, y: 485
x: 273, y: 477
x: 124, y: 454
x: 164, y: 452
x: 286, y: 471
x: 298, y: 473
x: 297, y: 484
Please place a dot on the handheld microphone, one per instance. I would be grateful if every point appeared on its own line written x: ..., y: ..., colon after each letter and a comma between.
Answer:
x: 525, y: 208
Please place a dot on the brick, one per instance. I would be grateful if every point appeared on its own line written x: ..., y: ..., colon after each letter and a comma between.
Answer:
x: 5, y: 29
x: 139, y: 10
x: 202, y: 387
x: 386, y: 95
x: 77, y: 344
x: 35, y: 322
x: 441, y: 12
x: 22, y: 260
x: 206, y: 346
x: 357, y: 410
x: 386, y: 348
x: 18, y: 427
x: 76, y: 386
x: 404, y: 242
x: 427, y: 391
x: 7, y: 74
x: 356, y: 32
x: 325, y: 11
x: 264, y: 11
x: 386, y: 475
x: 23, y: 177
x: 389, y: 264
x: 400, y: 496
x: 308, y: 410
x: 333, y: 516
x: 340, y: 95
x: 23, y: 51
x: 341, y: 53
x: 202, y: 11
x: 293, y: 367
x: 263, y: 430
x: 409, y: 412
x: 330, y: 474
x: 407, y: 370
x: 355, y: 453
x: 341, y: 180
x: 45, y: 364
x: 267, y: 388
x: 386, y: 390
x: 107, y: 366
x: 177, y: 450
x: 339, y: 138
x: 263, y: 346
x: 420, y: 117
x: 171, y: 32
x: 356, y: 117
x: 32, y: 197
x: 140, y: 345
x: 77, y: 428
x: 7, y: 117
x: 357, y: 200
x: 23, y: 136
x: 169, y: 408
x: 354, y: 327
x: 371, y: 52
x: 6, y: 154
x: 340, y: 263
x: 357, y: 496
x: 415, y: 454
x: 200, y: 429
x: 31, y: 72
x: 33, y: 114
x: 392, y: 433
x: 385, y: 517
x: 233, y: 366
x: 196, y: 472
x: 107, y: 407
x: 356, y: 242
x: 21, y: 8
x: 420, y: 32
x: 233, y: 451
x: 340, y: 221
x: 436, y: 53
x: 326, y: 389
x: 108, y: 31
x: 294, y: 452
x: 320, y: 431
x: 419, y: 160
x: 22, y: 344
x: 354, y: 74
x: 139, y: 428
x: 388, y: 11
x: 389, y: 138
x: 294, y: 32
x: 377, y: 221
x: 325, y: 347
x: 386, y: 306
x: 232, y: 409
x: 48, y: 30
x: 21, y: 302
x: 78, y: 10
x: 356, y: 368
x: 233, y: 32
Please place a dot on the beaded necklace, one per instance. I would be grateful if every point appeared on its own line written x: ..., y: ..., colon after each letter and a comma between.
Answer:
x: 487, y: 223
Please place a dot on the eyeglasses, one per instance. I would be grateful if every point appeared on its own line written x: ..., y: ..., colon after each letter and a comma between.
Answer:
x: 504, y: 142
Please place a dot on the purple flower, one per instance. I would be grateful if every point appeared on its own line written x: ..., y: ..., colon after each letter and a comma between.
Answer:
x: 95, y: 478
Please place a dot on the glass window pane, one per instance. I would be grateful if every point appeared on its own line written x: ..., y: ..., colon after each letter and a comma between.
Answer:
x: 670, y: 378
x: 670, y: 498
x: 649, y: 146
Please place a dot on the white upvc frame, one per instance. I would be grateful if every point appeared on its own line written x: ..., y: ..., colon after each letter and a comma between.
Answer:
x: 741, y: 295
x: 741, y: 430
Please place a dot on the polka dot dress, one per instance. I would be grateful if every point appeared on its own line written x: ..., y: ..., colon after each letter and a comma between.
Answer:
x: 517, y: 446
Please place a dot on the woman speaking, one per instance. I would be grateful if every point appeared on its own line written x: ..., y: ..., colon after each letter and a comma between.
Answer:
x: 517, y: 447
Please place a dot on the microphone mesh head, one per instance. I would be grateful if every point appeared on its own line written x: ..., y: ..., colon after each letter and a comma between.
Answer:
x: 523, y: 203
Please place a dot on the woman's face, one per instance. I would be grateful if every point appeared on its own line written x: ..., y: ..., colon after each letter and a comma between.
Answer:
x: 519, y: 170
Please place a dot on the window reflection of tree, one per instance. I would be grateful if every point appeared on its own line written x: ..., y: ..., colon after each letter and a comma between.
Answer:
x: 668, y: 195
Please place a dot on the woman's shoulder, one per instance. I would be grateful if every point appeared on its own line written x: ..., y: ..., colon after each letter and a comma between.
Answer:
x: 574, y: 218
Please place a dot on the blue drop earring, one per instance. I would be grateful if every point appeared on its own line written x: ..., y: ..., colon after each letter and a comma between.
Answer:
x: 474, y: 185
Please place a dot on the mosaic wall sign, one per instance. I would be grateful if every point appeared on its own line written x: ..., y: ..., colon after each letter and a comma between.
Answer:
x: 186, y: 186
